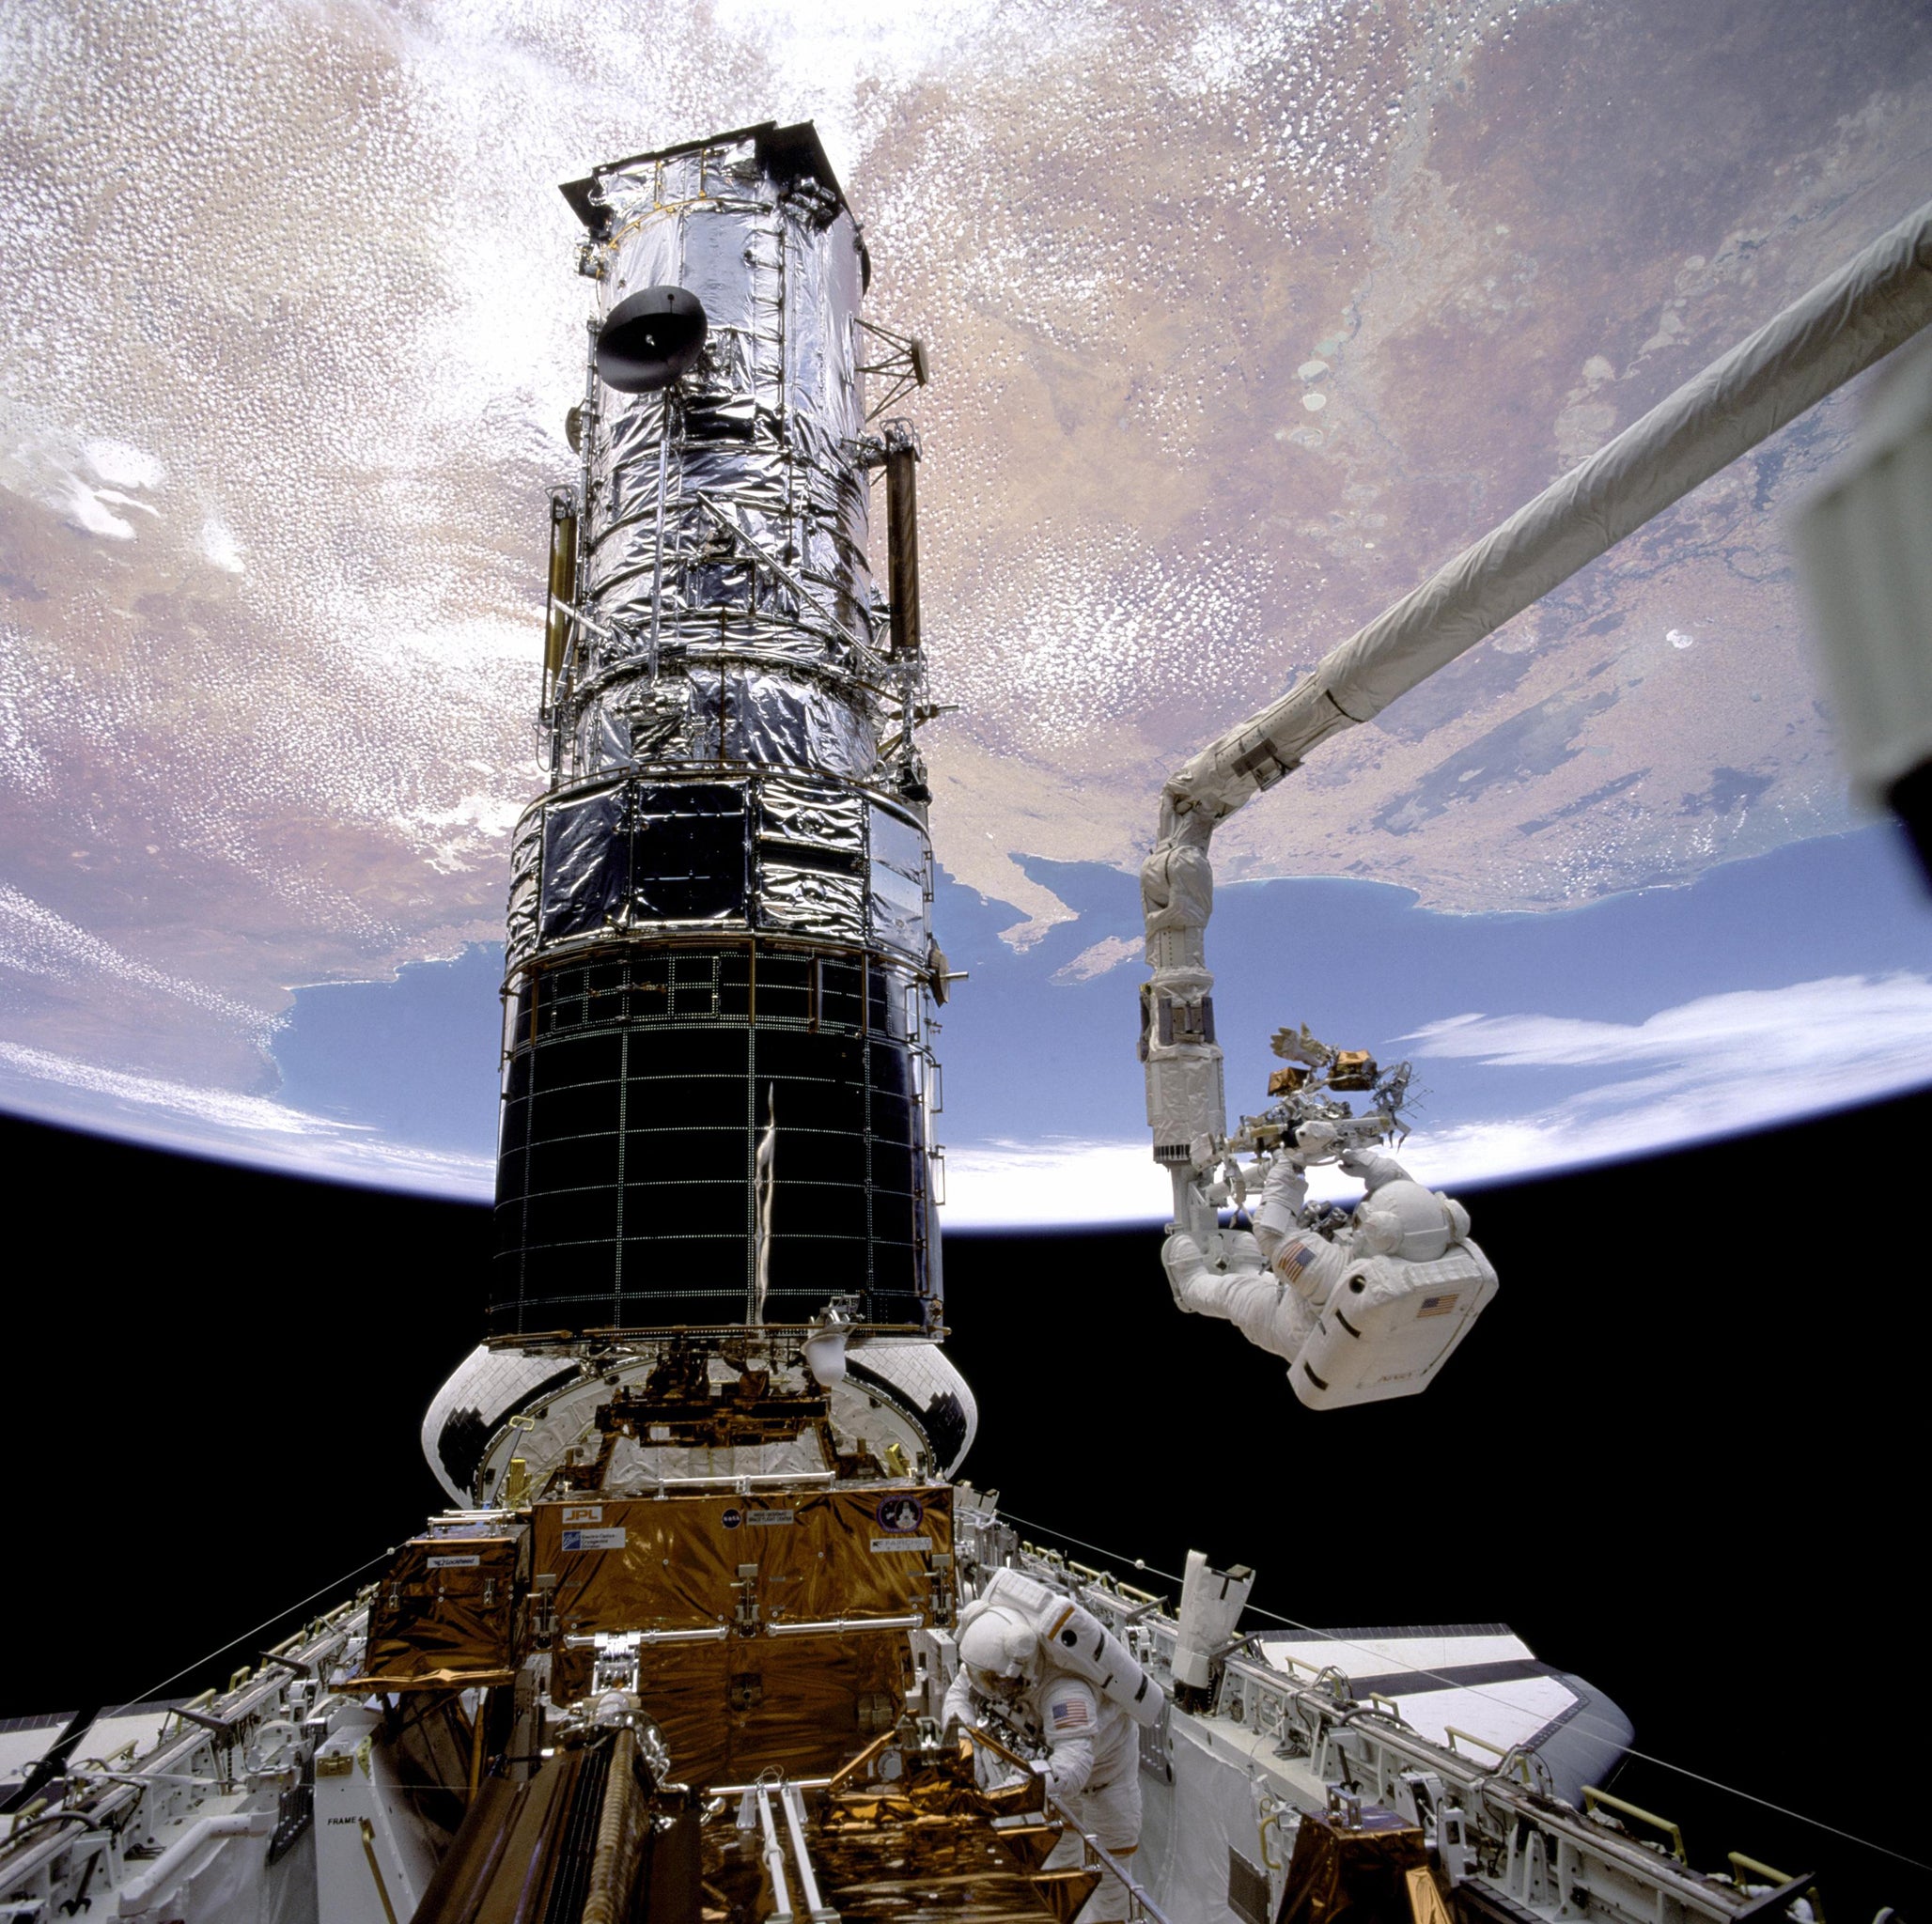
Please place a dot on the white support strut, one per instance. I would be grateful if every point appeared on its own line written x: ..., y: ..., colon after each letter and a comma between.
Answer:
x: 1836, y: 331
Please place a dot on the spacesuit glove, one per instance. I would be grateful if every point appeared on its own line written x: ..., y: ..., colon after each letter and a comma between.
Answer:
x: 1287, y: 1187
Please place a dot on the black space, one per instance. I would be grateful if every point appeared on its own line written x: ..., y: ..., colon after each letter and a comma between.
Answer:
x: 1682, y: 1453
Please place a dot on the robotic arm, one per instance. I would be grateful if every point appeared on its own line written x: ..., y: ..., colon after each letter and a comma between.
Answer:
x: 1841, y: 326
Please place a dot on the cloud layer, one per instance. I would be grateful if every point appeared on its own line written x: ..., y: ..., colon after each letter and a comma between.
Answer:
x: 1713, y: 1066
x: 1243, y: 316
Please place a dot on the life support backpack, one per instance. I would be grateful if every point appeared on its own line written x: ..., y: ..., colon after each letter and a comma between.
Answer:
x: 1387, y: 1326
x: 1072, y: 1638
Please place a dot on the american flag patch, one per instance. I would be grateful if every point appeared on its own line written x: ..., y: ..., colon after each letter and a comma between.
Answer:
x: 1070, y: 1713
x: 1437, y: 1306
x: 1295, y: 1260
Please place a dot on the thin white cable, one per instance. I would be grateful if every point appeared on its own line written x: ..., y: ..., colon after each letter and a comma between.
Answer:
x: 1434, y: 1676
x: 266, y: 1624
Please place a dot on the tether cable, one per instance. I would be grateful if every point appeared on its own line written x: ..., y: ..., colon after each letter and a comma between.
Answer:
x: 267, y: 1623
x: 1582, y: 1717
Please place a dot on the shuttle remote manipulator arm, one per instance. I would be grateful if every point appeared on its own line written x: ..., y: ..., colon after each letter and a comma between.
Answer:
x: 1835, y: 331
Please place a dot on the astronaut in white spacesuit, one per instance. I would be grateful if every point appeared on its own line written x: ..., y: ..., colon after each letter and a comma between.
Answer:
x: 1092, y: 1761
x: 1278, y: 1278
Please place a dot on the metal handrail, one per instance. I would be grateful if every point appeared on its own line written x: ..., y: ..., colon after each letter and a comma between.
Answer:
x: 1139, y: 1904
x: 711, y: 1633
x: 1776, y: 1879
x: 757, y: 1480
x: 829, y: 1626
x: 1493, y: 1786
x: 1593, y: 1797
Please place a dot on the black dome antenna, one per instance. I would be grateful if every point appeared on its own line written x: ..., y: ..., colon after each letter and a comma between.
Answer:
x: 650, y: 338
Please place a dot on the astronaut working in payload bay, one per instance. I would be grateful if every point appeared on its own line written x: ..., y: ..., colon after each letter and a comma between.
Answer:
x: 1092, y: 1764
x: 1278, y: 1279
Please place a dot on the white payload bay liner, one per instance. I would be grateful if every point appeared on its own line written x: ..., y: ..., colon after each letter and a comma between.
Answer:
x: 478, y: 1418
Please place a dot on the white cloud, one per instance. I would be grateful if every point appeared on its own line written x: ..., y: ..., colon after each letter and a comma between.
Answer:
x: 1061, y: 1181
x: 36, y: 941
x: 1865, y: 1032
x: 1065, y: 1183
x: 254, y: 1130
x: 119, y: 464
x: 1715, y: 1066
x: 86, y: 482
x: 219, y: 545
x: 476, y: 831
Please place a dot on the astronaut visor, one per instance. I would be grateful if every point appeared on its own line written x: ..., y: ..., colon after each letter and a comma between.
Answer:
x: 990, y: 1683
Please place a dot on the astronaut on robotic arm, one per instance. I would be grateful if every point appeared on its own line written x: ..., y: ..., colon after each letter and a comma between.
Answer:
x: 1275, y: 1283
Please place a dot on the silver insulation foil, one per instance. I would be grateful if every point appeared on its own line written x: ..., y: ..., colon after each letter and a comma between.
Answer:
x: 727, y: 516
x: 713, y: 711
x: 718, y: 723
x: 621, y: 855
x: 715, y: 1069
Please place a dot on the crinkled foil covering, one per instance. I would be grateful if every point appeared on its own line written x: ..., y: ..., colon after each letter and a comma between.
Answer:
x: 1339, y: 1873
x: 930, y: 1848
x: 793, y: 853
x: 446, y: 1613
x: 679, y: 1563
x: 728, y: 1711
x: 748, y: 668
x: 723, y: 860
x: 801, y: 1703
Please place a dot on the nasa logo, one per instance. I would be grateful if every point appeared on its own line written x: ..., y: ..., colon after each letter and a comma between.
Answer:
x: 900, y: 1514
x: 732, y: 1518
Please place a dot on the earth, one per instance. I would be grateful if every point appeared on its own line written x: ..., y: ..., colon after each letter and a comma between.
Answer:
x: 1242, y: 315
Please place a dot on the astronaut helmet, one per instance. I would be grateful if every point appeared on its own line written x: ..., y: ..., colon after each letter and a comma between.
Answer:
x: 1001, y: 1652
x: 1403, y: 1219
